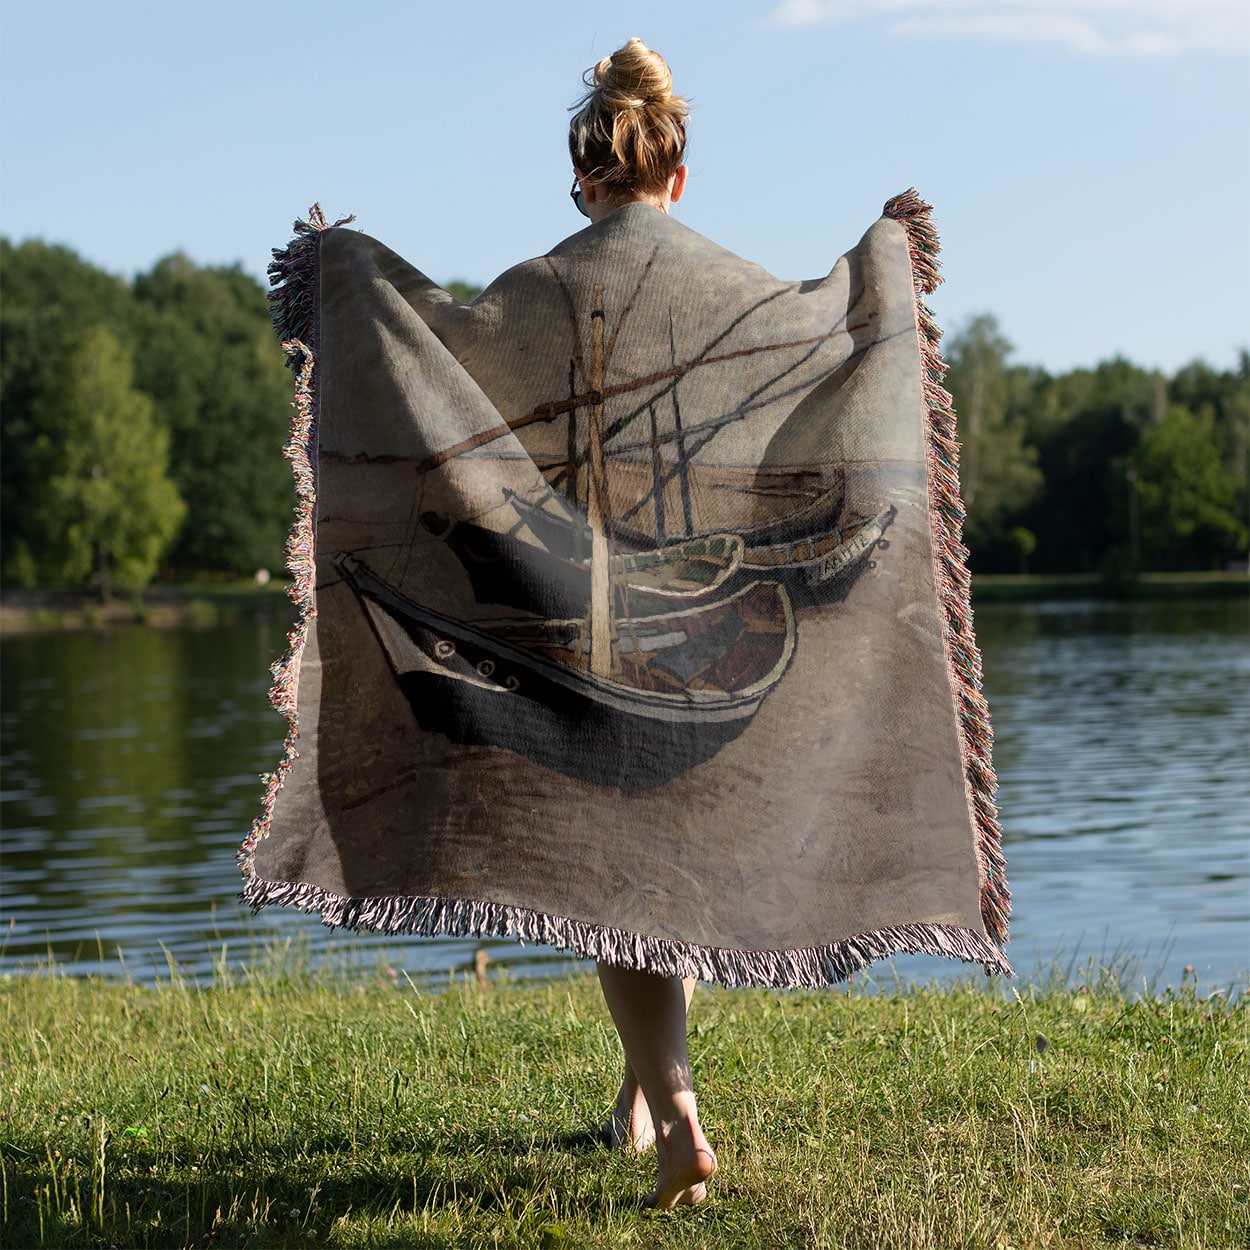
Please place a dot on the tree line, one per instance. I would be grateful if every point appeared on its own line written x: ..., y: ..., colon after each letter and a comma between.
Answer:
x: 1114, y: 470
x: 141, y: 423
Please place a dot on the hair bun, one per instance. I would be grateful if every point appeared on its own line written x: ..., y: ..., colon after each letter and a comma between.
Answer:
x: 630, y: 129
x: 633, y: 77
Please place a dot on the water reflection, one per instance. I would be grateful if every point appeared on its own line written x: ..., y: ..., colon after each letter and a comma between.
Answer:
x: 131, y: 759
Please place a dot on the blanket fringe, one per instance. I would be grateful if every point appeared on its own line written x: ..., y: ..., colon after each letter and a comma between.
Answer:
x: 951, y: 561
x: 806, y: 968
x: 293, y: 303
x: 293, y: 276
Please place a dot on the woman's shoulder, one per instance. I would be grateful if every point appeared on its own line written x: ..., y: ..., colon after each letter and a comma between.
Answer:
x: 634, y: 238
x: 644, y: 228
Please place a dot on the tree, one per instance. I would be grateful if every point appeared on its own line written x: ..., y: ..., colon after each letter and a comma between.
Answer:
x: 1086, y: 424
x: 51, y: 297
x: 1023, y: 543
x: 465, y: 292
x: 106, y: 509
x: 208, y: 358
x: 1187, y: 493
x: 997, y: 467
x: 1223, y: 399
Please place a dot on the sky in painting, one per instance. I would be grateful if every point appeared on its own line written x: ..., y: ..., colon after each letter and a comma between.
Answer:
x: 1087, y: 159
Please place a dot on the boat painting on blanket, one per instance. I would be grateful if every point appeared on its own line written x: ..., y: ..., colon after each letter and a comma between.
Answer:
x: 631, y: 598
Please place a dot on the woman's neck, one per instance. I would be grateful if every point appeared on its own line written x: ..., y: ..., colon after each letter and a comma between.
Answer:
x: 602, y: 208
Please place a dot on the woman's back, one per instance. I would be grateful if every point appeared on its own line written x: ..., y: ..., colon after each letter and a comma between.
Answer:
x: 636, y: 622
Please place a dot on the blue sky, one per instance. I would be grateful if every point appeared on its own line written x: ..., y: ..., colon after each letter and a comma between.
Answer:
x: 1088, y: 159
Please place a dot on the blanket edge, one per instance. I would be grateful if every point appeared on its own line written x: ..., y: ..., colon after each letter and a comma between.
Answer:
x: 954, y: 581
x: 294, y: 306
x: 810, y: 967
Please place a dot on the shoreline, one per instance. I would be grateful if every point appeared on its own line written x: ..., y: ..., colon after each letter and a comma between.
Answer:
x: 172, y: 606
x: 1035, y: 587
x: 202, y: 605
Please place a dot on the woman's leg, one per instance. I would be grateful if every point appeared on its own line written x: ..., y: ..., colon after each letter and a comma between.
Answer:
x: 629, y: 1126
x: 649, y: 1012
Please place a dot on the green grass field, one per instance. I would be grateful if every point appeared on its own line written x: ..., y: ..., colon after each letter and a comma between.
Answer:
x: 282, y: 1108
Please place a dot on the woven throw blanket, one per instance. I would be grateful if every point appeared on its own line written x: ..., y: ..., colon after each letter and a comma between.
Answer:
x: 634, y: 615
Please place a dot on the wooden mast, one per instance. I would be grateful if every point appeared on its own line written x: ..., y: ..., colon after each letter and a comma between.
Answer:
x: 597, y: 507
x: 570, y: 485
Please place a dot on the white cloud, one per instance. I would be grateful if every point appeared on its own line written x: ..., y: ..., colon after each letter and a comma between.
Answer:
x: 1136, y: 28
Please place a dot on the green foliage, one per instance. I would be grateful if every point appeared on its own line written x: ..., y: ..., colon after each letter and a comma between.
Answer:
x: 1024, y: 543
x: 52, y: 280
x: 1187, y: 491
x: 51, y: 298
x: 106, y: 508
x: 218, y: 399
x: 998, y: 468
x: 1094, y: 418
x: 465, y: 292
x: 1056, y: 457
x: 208, y: 357
x: 1223, y: 401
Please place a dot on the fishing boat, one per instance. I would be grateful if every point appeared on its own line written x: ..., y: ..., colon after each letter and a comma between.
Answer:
x: 560, y: 530
x: 822, y: 558
x: 811, y: 547
x: 678, y: 685
x: 505, y: 569
x: 603, y: 693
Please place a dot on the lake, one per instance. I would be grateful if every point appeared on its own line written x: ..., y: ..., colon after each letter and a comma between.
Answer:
x: 131, y: 760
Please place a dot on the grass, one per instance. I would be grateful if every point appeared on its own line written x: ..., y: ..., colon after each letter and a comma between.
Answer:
x: 284, y: 1108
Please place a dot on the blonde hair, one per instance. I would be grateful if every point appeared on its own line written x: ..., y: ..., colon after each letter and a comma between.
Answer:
x: 629, y: 131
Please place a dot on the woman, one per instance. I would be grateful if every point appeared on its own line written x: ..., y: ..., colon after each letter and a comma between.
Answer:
x: 628, y: 141
x: 602, y: 646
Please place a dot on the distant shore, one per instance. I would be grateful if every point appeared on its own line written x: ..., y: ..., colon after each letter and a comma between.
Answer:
x: 217, y: 603
x: 1010, y: 587
x: 162, y: 606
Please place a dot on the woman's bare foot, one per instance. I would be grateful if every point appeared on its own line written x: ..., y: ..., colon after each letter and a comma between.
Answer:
x: 686, y: 1165
x: 649, y: 1011
x: 629, y: 1126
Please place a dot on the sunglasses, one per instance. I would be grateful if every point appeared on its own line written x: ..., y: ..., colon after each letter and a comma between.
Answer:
x: 576, y: 196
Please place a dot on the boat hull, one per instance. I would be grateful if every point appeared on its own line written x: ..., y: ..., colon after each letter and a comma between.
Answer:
x: 474, y: 685
x: 558, y: 531
x: 814, y: 550
x: 505, y: 570
x: 824, y: 566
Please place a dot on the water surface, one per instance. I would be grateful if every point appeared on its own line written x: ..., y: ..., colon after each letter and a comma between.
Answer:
x: 131, y: 762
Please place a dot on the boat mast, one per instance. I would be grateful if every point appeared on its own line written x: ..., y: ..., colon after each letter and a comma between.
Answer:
x: 682, y: 462
x: 597, y: 507
x: 570, y: 468
x: 657, y: 481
